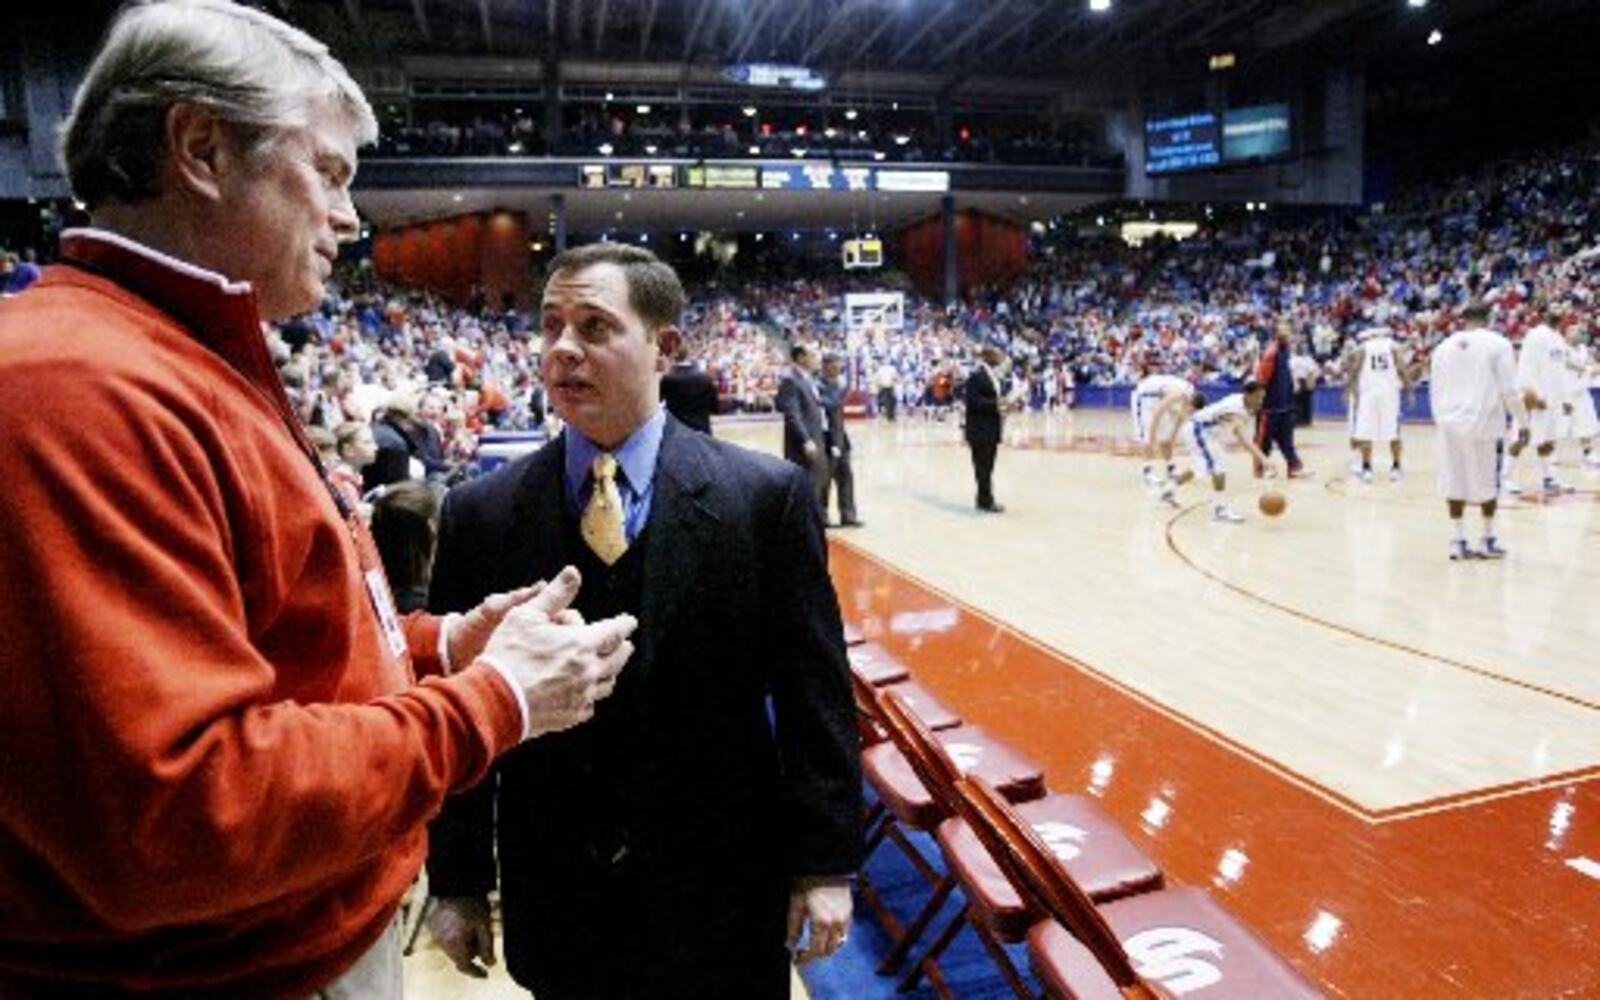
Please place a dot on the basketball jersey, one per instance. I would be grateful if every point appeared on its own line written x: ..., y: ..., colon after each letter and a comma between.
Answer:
x: 1160, y: 385
x: 1471, y: 373
x: 1380, y: 363
x: 1577, y: 373
x: 1227, y: 408
x: 1541, y: 363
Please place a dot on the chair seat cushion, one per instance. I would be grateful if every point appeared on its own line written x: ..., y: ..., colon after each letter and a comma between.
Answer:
x: 1096, y: 852
x: 873, y: 664
x: 1182, y: 939
x: 975, y: 752
x: 925, y: 706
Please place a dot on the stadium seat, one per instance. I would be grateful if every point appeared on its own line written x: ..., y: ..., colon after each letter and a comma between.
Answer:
x: 915, y: 793
x: 1099, y: 855
x: 873, y: 664
x: 1163, y: 943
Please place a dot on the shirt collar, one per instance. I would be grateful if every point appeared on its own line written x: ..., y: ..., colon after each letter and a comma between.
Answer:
x: 636, y: 456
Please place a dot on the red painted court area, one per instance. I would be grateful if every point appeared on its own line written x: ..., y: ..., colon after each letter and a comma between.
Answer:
x: 1498, y: 897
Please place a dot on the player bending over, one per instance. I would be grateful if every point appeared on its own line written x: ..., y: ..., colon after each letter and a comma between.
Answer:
x: 1203, y: 436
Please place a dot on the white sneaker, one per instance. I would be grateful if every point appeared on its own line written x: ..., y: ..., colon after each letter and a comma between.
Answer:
x: 1509, y: 486
x: 1459, y: 551
x: 1395, y: 475
x: 1366, y: 477
x: 1491, y: 549
x: 1555, y: 487
x: 1227, y: 515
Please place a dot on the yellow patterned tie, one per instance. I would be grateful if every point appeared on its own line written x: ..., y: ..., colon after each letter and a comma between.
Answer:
x: 602, y: 518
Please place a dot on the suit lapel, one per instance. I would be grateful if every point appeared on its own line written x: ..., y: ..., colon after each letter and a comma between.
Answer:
x: 538, y: 540
x: 680, y: 531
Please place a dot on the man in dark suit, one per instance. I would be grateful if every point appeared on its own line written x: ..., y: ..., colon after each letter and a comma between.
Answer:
x: 671, y: 846
x: 805, y: 441
x: 983, y: 423
x: 831, y: 390
x: 689, y: 393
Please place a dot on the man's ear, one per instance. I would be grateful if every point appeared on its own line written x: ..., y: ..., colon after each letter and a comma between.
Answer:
x: 200, y: 150
x: 666, y: 347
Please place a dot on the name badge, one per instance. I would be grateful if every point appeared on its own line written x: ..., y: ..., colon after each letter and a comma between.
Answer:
x: 383, y: 604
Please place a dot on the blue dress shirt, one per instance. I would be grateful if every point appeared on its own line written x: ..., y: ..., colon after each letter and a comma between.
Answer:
x: 636, y: 471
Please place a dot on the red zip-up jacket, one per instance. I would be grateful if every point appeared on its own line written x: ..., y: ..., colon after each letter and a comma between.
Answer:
x: 214, y: 771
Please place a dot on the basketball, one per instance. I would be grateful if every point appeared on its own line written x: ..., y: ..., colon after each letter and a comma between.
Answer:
x: 1272, y: 503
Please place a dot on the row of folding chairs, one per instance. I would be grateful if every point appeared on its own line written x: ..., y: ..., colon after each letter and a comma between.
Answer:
x: 1032, y: 865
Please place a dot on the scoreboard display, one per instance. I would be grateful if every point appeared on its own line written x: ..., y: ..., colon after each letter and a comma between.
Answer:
x: 1185, y: 142
x: 1256, y: 133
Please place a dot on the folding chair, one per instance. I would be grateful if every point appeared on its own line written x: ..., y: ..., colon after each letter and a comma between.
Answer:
x: 1158, y: 944
x: 906, y: 802
x: 1092, y: 846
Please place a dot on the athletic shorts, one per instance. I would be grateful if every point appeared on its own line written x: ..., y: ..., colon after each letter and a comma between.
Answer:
x: 1469, y: 467
x: 1205, y: 451
x: 1377, y: 417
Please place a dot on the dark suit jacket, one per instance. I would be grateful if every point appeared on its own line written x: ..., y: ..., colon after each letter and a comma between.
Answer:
x: 690, y: 395
x: 983, y: 406
x: 802, y: 418
x: 649, y: 851
x: 832, y: 394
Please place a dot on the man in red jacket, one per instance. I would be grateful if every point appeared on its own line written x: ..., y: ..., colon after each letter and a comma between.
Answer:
x: 218, y: 760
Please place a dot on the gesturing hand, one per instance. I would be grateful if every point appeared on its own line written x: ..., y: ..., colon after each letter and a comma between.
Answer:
x: 563, y: 665
x: 470, y: 632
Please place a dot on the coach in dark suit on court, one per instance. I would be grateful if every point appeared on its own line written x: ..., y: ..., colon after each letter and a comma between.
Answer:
x: 805, y: 428
x: 689, y: 393
x: 669, y: 847
x: 983, y: 423
x: 842, y: 478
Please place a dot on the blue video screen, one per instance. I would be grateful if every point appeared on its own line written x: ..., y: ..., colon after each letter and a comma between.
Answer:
x: 1257, y: 132
x: 1186, y: 142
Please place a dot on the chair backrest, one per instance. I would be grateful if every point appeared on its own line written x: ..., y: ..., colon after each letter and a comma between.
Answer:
x: 869, y: 710
x: 1038, y: 874
x: 926, y: 755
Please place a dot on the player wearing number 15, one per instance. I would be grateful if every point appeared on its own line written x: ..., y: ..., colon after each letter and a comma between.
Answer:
x: 1376, y: 378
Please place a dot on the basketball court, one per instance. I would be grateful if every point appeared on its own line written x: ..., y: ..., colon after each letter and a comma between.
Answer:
x: 1383, y: 761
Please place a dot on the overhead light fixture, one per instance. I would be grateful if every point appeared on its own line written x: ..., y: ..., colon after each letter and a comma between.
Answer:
x: 610, y: 96
x: 1435, y: 36
x: 644, y: 237
x: 606, y: 149
x: 457, y: 198
x: 760, y: 237
x: 901, y: 140
x: 755, y: 150
x: 1416, y: 4
x: 1223, y: 60
x: 749, y: 110
x: 650, y: 150
x: 828, y: 133
x: 850, y: 115
x: 1099, y: 5
x: 877, y: 154
x: 643, y: 109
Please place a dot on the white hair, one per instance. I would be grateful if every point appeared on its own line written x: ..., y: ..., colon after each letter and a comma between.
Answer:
x: 254, y: 72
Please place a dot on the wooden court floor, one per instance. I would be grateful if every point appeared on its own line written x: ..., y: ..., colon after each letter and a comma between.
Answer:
x: 1382, y: 760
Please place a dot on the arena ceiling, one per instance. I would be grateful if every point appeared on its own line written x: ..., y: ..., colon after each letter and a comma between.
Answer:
x: 952, y: 39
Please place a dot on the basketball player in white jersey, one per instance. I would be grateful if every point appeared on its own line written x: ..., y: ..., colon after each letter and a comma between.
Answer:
x: 1376, y: 378
x: 1542, y: 379
x: 1159, y: 401
x: 1472, y: 386
x: 1579, y: 419
x: 1204, y: 435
